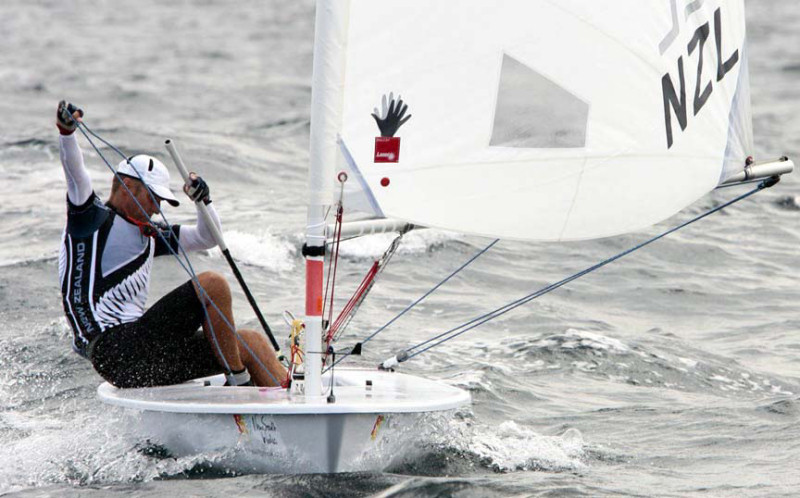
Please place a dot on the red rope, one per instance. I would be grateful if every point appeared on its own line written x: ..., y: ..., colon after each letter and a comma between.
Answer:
x: 335, y: 260
x: 337, y: 234
x: 351, y: 304
x: 332, y: 278
x: 358, y: 295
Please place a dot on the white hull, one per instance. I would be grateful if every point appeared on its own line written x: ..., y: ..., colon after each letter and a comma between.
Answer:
x: 286, y: 444
x: 255, y: 430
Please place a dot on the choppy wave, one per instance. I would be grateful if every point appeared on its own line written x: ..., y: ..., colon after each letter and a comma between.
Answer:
x: 415, y: 242
x: 95, y: 450
x: 784, y: 407
x: 263, y: 250
x: 44, y: 258
x: 641, y: 365
x: 790, y: 203
x: 29, y: 142
x: 512, y: 447
x: 465, y: 445
x: 705, y: 405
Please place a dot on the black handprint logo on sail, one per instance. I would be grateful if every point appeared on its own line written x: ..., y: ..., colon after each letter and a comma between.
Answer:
x: 391, y: 116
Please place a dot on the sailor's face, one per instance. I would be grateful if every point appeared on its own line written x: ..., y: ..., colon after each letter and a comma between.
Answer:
x: 150, y: 203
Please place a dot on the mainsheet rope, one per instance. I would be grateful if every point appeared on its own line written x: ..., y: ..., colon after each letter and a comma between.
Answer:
x: 408, y: 308
x: 480, y: 320
x: 431, y: 291
x: 187, y: 267
x: 355, y: 302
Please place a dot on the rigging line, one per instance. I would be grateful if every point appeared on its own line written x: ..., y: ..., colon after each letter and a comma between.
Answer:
x: 354, y: 303
x: 431, y: 291
x: 333, y: 264
x: 327, y: 258
x: 334, y: 259
x: 190, y: 270
x: 480, y: 253
x: 332, y: 242
x: 377, y: 269
x: 480, y: 320
x: 739, y: 184
x: 334, y: 256
x: 358, y: 298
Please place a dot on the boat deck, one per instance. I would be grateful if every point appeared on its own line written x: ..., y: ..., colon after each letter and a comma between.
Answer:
x: 389, y: 392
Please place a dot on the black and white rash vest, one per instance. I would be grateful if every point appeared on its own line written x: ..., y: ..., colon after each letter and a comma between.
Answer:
x: 105, y: 261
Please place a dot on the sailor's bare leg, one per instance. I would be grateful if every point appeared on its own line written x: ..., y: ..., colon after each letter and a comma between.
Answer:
x: 237, y: 355
x: 217, y: 290
x: 264, y: 355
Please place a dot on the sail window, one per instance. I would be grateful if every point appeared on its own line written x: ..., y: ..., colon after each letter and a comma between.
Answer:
x: 534, y: 112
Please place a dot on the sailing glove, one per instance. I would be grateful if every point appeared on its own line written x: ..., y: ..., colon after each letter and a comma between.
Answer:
x: 391, y: 118
x: 67, y: 117
x: 198, y: 189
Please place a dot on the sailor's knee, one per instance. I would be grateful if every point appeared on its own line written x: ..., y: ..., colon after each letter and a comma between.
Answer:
x: 253, y: 339
x: 250, y: 338
x: 248, y: 335
x: 214, y: 284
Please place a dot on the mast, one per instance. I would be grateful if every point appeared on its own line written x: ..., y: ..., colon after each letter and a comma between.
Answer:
x: 326, y: 116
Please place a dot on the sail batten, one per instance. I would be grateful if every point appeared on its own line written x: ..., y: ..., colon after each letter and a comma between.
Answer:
x: 567, y: 120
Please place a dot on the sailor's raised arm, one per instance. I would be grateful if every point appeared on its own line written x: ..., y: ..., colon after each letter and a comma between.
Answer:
x: 79, y: 184
x: 199, y: 237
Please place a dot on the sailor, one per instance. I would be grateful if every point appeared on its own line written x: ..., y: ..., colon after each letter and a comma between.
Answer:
x: 105, y: 262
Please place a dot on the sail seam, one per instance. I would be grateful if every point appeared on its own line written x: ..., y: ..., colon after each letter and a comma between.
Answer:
x: 574, y: 200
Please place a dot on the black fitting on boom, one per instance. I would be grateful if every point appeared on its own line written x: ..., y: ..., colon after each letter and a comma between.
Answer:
x: 770, y: 182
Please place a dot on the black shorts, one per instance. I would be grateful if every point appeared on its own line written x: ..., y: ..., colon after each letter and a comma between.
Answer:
x: 163, y: 347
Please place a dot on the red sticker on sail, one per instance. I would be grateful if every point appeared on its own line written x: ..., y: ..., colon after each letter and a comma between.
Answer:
x: 387, y: 149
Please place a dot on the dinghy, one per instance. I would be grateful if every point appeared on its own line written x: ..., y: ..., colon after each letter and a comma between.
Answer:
x: 533, y: 120
x: 377, y: 417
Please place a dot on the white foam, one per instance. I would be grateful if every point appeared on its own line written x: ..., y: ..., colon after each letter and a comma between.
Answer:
x: 373, y: 246
x: 720, y: 378
x: 93, y: 451
x: 572, y: 339
x: 471, y: 380
x: 264, y: 250
x: 510, y: 446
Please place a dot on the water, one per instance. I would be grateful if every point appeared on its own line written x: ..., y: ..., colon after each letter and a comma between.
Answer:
x: 673, y: 373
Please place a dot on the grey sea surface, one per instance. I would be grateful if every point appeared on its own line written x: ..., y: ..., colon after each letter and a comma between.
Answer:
x: 675, y: 372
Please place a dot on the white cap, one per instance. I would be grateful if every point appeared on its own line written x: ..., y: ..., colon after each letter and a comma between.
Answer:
x: 152, y: 171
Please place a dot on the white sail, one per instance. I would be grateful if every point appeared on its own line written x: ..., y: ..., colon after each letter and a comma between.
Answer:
x: 539, y: 119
